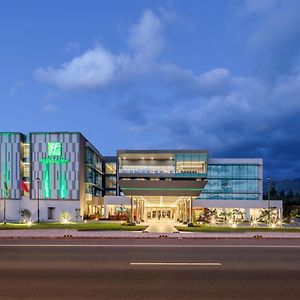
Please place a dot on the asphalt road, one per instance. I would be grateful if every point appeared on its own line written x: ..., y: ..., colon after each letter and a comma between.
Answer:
x: 124, y: 269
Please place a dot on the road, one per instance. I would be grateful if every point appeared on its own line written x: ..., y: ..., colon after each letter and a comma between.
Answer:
x: 149, y: 269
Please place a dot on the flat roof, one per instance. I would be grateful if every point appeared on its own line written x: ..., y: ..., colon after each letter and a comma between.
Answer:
x: 154, y: 154
x: 162, y: 151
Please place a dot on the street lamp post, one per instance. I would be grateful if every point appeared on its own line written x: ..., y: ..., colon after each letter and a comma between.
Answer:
x: 269, y: 178
x: 38, y: 199
x: 4, y: 210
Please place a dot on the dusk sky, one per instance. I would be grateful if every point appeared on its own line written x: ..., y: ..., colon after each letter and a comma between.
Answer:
x: 216, y: 75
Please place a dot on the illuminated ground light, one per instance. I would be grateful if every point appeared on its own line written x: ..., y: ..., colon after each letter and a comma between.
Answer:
x: 65, y: 221
x: 234, y: 225
x: 29, y: 223
x: 254, y: 223
x: 213, y: 222
x: 272, y: 225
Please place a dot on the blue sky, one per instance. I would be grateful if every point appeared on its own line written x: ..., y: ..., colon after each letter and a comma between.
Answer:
x: 216, y: 75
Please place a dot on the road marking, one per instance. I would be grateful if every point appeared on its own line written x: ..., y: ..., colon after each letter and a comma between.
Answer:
x: 174, y: 264
x: 149, y: 246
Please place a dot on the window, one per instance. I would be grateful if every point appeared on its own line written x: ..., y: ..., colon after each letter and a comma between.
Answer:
x: 51, y: 212
x: 110, y: 168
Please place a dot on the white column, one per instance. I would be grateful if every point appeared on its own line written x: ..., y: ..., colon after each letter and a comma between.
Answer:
x: 247, y: 214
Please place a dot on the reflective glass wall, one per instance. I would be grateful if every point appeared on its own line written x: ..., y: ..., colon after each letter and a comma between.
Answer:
x: 232, y: 182
x: 191, y: 163
x: 93, y: 173
x: 110, y: 178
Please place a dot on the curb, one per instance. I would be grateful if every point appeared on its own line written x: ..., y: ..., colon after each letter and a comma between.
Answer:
x: 70, y: 237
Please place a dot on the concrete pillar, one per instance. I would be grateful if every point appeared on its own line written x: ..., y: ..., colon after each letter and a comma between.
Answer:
x: 181, y: 211
x: 105, y: 211
x: 143, y: 211
x: 185, y: 211
x: 137, y: 205
x: 131, y: 208
x: 247, y: 214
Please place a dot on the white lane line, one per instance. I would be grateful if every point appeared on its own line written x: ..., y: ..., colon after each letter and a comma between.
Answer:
x: 149, y: 246
x: 174, y: 264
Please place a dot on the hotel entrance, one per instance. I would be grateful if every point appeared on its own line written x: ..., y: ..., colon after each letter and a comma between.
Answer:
x: 160, y: 213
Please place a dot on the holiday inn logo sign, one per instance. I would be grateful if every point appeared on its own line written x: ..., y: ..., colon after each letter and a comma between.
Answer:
x: 54, y: 149
x: 54, y: 154
x: 54, y: 162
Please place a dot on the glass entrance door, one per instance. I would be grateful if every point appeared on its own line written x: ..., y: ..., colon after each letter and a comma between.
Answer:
x: 160, y: 214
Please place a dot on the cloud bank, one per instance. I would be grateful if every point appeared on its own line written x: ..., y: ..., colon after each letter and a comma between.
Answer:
x: 255, y: 115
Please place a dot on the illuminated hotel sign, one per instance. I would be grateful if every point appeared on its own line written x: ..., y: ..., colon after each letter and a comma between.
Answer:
x: 54, y: 155
x: 54, y: 149
x: 53, y: 160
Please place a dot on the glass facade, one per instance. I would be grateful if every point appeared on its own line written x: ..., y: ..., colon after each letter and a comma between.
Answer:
x: 148, y: 166
x: 179, y: 164
x: 92, y: 158
x: 110, y: 178
x: 110, y: 168
x: 191, y: 163
x: 93, y: 173
x: 111, y: 182
x: 232, y: 182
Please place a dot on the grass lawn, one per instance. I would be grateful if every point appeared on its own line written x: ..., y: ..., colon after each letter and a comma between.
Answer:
x: 72, y: 225
x: 210, y: 228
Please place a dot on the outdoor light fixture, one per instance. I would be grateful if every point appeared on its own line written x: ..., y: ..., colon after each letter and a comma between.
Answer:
x: 143, y: 158
x: 234, y: 225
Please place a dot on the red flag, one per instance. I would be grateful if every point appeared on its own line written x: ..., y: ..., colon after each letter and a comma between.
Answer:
x: 24, y: 187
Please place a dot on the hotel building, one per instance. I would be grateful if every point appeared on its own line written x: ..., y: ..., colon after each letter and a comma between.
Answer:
x: 63, y: 171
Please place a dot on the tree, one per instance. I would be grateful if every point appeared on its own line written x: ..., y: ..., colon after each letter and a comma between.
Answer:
x: 294, y: 213
x: 267, y: 215
x: 25, y: 215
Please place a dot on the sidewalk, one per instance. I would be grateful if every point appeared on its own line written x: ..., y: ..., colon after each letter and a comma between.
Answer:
x: 60, y: 233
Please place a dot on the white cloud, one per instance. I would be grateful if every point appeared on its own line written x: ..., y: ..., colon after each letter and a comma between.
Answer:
x: 98, y: 67
x: 95, y: 68
x: 50, y: 108
x: 250, y: 115
x: 146, y: 37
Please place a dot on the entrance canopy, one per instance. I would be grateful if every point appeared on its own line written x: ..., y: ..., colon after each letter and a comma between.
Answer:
x: 162, y: 187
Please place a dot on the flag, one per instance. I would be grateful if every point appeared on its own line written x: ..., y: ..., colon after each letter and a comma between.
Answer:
x: 24, y: 187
